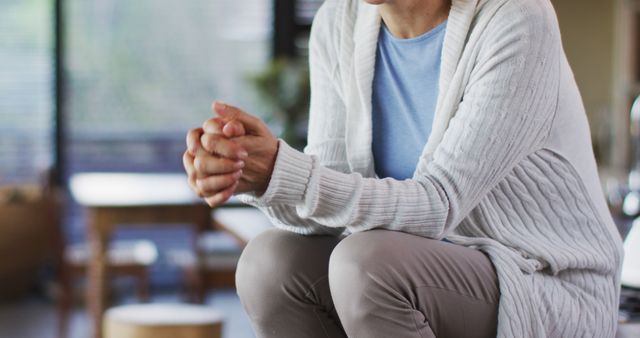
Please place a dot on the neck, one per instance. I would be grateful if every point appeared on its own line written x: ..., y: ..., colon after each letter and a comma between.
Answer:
x: 411, y: 18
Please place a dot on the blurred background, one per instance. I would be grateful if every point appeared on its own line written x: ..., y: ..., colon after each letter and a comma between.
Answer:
x: 95, y: 101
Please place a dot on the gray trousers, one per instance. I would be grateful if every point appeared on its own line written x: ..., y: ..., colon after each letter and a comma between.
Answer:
x: 371, y: 284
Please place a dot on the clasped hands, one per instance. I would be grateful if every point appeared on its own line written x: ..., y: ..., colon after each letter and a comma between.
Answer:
x: 233, y: 152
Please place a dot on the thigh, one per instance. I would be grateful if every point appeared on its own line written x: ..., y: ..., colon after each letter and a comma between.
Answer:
x: 283, y: 257
x: 281, y: 279
x: 453, y: 289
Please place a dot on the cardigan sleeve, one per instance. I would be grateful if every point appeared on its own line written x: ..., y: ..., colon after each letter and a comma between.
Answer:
x: 504, y: 115
x: 325, y: 141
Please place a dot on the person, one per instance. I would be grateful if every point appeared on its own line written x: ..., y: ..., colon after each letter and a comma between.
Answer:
x: 448, y: 188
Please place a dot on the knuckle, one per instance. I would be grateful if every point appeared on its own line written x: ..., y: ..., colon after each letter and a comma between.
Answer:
x: 193, y: 134
x: 209, y: 185
x: 202, y: 185
x: 193, y: 140
x: 199, y: 164
x: 222, y: 146
x: 210, y: 140
x: 210, y: 123
x: 205, y: 139
x: 185, y: 162
x: 187, y: 158
x: 205, y: 186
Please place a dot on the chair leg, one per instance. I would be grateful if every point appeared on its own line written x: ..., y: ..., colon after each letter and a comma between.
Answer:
x: 64, y: 301
x: 63, y: 271
x: 143, y: 286
x: 195, y: 285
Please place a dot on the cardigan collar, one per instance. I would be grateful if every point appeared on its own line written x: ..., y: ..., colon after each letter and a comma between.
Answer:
x: 367, y: 28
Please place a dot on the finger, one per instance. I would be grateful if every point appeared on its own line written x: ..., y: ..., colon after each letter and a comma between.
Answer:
x: 221, y: 197
x: 229, y: 113
x: 213, y: 165
x: 217, y: 125
x: 249, y: 142
x: 193, y: 140
x: 220, y: 145
x: 214, y: 184
x: 213, y: 125
x: 233, y: 129
x: 187, y: 162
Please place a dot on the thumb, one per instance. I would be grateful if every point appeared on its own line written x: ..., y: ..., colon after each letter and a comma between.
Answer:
x: 233, y: 129
x: 230, y: 113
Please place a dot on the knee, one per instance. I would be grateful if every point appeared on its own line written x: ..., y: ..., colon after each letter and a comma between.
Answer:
x: 278, y: 267
x: 367, y: 267
x: 355, y: 275
x: 352, y: 256
x: 266, y: 264
x: 359, y: 263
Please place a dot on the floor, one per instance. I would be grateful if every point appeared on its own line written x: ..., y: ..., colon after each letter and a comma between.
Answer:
x: 36, y: 317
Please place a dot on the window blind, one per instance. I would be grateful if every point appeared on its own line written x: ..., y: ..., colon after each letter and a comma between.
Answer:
x: 26, y: 89
x: 141, y: 73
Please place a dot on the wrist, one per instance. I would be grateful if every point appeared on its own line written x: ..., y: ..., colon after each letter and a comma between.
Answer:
x: 270, y: 167
x: 288, y: 180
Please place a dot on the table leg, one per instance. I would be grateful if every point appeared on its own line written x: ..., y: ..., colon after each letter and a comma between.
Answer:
x: 97, y: 290
x: 203, y: 224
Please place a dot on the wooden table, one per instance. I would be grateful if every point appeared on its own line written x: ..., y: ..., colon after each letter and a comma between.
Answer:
x: 112, y: 199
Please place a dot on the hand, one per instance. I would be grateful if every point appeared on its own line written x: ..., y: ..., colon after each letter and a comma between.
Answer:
x: 249, y: 133
x: 215, y: 175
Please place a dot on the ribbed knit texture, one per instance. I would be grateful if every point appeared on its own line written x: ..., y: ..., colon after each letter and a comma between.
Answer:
x: 508, y: 168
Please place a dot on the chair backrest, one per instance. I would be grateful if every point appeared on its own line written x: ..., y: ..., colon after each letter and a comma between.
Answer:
x: 30, y: 235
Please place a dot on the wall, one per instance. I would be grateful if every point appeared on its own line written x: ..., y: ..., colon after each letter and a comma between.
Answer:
x: 587, y: 28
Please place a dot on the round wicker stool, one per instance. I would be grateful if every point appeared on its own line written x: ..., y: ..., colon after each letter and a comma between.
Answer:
x: 162, y: 321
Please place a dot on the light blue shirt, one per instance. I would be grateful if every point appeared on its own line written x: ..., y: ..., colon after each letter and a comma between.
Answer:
x: 405, y: 92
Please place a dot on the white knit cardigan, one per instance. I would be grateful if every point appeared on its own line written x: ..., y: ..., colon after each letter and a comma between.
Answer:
x: 508, y: 168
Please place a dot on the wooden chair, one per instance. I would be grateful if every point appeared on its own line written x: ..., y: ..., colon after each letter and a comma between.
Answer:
x: 132, y: 258
x: 32, y: 238
x: 126, y: 258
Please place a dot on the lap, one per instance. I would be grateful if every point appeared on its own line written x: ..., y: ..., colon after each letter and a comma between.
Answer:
x: 428, y: 287
x: 407, y: 258
x: 278, y: 255
x: 442, y: 287
x: 417, y: 262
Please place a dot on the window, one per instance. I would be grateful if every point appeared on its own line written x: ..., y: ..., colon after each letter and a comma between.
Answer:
x: 26, y: 89
x: 141, y: 73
